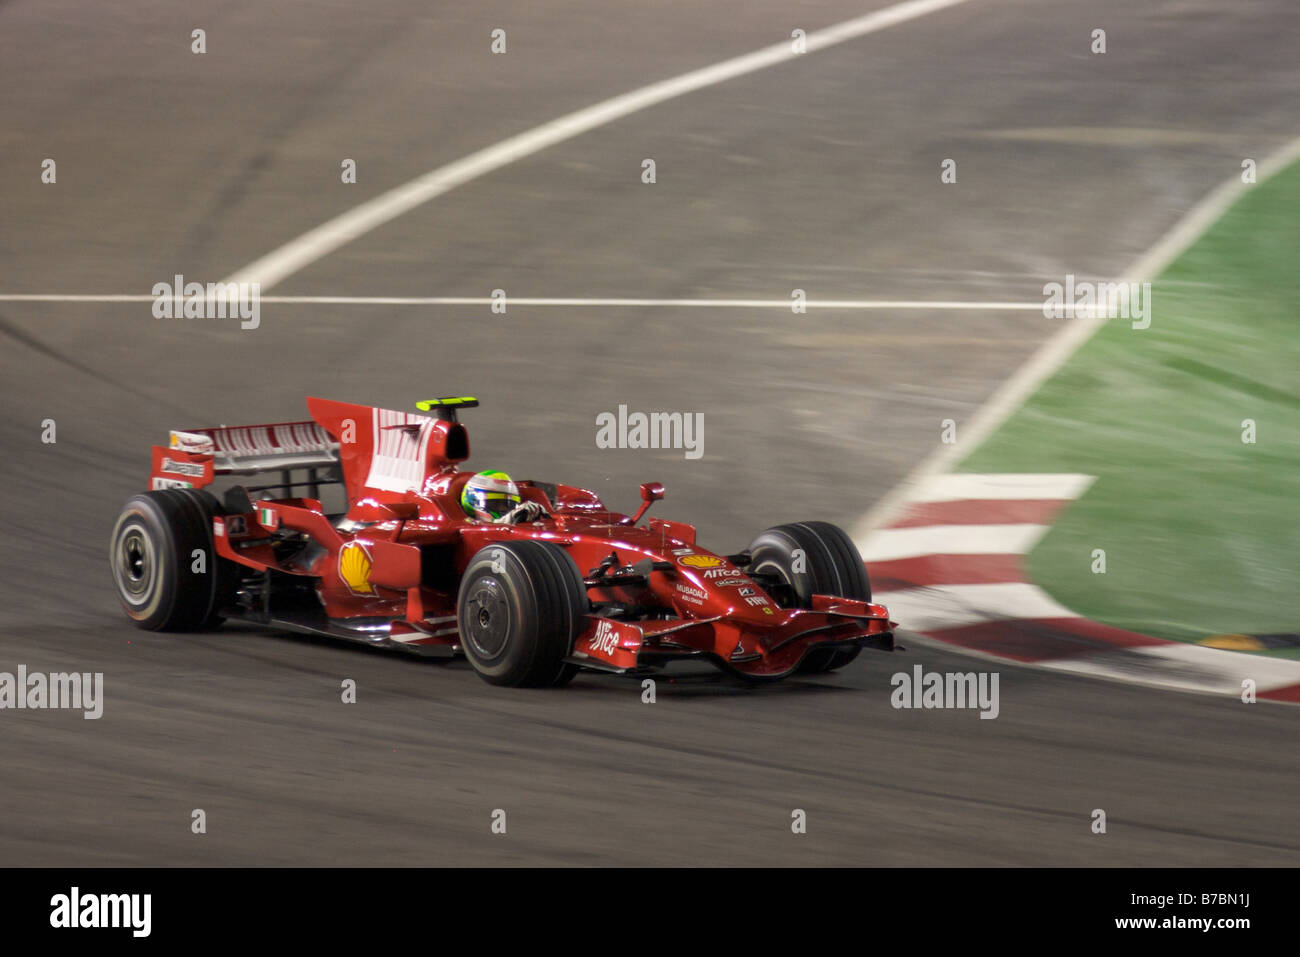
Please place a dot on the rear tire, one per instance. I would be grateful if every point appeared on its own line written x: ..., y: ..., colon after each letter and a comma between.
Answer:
x: 153, y: 554
x: 831, y: 565
x: 520, y: 607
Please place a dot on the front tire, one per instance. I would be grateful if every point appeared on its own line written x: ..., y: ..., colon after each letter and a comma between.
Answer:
x: 154, y: 554
x: 830, y: 565
x: 520, y: 607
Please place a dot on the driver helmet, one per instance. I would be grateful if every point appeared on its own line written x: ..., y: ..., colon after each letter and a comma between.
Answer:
x: 489, y: 492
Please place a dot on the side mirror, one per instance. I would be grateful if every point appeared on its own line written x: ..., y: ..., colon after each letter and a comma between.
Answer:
x: 651, y: 492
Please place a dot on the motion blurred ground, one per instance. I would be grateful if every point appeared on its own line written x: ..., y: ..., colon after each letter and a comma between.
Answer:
x: 822, y: 174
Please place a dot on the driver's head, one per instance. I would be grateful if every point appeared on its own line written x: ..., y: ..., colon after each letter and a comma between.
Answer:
x: 490, y: 493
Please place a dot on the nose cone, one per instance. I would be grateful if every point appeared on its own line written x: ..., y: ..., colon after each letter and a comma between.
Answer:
x: 723, y: 589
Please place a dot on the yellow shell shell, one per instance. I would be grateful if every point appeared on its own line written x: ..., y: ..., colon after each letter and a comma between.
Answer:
x: 354, y: 569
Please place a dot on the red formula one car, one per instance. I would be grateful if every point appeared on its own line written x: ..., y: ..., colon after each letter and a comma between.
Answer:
x: 561, y: 584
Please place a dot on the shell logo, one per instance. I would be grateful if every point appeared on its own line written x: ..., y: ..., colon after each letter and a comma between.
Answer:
x: 354, y: 568
x: 702, y: 561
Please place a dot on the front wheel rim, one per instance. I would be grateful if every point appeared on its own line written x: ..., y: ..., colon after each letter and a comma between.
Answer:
x: 769, y: 566
x: 487, y: 619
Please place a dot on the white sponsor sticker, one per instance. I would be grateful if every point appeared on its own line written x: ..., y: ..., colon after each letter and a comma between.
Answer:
x: 717, y: 572
x: 192, y: 442
x: 604, y: 640
x: 182, y: 468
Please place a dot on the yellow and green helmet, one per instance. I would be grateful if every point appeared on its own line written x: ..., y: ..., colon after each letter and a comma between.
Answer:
x: 489, y: 491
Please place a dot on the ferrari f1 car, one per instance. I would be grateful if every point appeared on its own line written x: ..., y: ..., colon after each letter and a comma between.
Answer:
x: 566, y: 584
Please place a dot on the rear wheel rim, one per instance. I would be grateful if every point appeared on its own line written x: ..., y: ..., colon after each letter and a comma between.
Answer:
x: 135, y: 565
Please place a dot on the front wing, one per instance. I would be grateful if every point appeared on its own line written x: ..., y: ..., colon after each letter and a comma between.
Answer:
x: 770, y: 652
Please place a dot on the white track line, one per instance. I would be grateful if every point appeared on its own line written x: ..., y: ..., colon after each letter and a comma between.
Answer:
x: 893, y: 304
x: 1053, y: 353
x: 356, y: 222
x: 1184, y: 667
x: 938, y: 607
x: 62, y: 297
x: 964, y: 486
x: 893, y: 544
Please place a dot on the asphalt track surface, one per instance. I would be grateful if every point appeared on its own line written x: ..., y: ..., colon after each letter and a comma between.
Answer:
x: 821, y: 174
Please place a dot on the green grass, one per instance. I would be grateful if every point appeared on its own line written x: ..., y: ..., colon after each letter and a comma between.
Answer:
x: 1201, y: 531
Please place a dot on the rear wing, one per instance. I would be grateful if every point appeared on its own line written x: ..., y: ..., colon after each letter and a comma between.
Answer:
x: 192, y: 458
